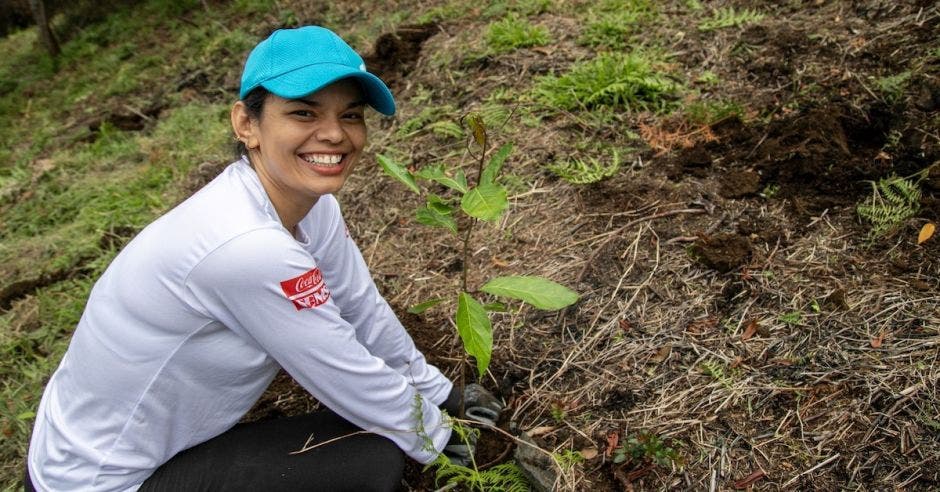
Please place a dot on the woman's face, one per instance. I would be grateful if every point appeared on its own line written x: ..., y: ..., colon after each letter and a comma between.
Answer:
x: 305, y: 148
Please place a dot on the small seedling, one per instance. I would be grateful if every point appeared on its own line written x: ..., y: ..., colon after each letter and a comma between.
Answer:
x: 791, y: 318
x: 480, y: 197
x: 568, y: 459
x: 770, y: 191
x: 716, y: 370
x: 814, y: 305
x: 647, y: 447
x: 893, y: 86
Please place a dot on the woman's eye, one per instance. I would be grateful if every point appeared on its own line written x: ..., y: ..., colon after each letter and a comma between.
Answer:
x: 302, y: 113
x: 353, y: 116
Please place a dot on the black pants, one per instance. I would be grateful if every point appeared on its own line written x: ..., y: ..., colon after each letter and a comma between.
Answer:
x: 256, y: 456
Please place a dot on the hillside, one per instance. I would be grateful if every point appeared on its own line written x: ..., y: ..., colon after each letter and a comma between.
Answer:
x: 742, y: 194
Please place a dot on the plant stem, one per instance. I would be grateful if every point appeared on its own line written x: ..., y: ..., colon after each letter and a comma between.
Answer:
x: 466, y: 253
x: 473, y: 221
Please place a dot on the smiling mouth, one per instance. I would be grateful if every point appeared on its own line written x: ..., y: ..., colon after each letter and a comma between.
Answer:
x: 324, y: 160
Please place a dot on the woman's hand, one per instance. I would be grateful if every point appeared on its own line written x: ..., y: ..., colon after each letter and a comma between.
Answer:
x: 480, y: 405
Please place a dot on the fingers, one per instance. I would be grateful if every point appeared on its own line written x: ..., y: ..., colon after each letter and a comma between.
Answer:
x: 480, y: 405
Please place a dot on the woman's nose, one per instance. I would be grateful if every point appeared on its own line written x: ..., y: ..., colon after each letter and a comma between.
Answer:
x: 330, y: 130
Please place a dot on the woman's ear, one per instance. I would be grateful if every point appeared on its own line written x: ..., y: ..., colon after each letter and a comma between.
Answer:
x: 243, y: 125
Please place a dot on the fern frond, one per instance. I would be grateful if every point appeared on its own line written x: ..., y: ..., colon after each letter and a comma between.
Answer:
x: 728, y: 17
x: 506, y: 477
x: 893, y: 200
x: 717, y: 371
x: 580, y: 171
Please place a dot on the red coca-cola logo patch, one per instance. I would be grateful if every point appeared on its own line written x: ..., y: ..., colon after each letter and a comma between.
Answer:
x: 307, y: 290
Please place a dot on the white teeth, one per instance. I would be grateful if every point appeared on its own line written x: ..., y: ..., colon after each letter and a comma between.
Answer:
x: 323, y: 159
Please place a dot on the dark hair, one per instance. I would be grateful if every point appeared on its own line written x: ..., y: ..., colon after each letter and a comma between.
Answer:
x: 254, y: 104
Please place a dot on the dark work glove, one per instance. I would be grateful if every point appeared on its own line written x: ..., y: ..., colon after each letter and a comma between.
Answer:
x: 460, y: 451
x: 480, y: 405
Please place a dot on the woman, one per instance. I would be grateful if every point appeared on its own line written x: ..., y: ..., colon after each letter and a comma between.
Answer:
x: 256, y: 271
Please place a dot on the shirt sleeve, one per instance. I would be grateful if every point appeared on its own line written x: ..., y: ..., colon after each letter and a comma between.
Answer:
x: 267, y: 288
x: 355, y: 293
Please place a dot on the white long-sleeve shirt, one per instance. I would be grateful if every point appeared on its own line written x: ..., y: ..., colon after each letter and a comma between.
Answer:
x: 190, y: 322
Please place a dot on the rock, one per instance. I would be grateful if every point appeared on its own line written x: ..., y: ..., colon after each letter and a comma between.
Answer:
x: 539, y: 468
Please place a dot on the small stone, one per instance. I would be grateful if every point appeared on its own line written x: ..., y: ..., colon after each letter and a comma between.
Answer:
x: 539, y: 468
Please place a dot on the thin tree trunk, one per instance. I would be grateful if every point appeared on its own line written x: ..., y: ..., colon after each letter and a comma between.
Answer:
x: 42, y: 23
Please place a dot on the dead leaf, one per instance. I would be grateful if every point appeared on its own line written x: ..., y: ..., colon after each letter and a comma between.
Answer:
x: 877, y: 341
x: 919, y: 284
x: 639, y: 473
x: 662, y: 354
x: 500, y: 263
x: 538, y: 431
x: 589, y: 453
x: 477, y: 128
x: 613, y: 439
x: 737, y: 362
x: 625, y: 325
x: 702, y: 325
x: 749, y: 330
x: 749, y: 480
x: 926, y: 232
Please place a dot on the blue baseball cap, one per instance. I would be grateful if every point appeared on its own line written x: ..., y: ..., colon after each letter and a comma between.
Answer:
x: 293, y: 63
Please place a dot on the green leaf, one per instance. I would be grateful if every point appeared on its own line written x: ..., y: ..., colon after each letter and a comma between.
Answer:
x: 496, y: 307
x: 475, y: 330
x: 491, y: 172
x: 436, y: 173
x: 437, y: 213
x: 26, y: 415
x: 398, y: 172
x: 431, y: 217
x: 536, y: 291
x: 424, y: 306
x: 485, y: 202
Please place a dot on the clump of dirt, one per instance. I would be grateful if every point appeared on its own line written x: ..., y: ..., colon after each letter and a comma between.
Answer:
x: 694, y: 161
x: 723, y: 252
x: 739, y: 184
x: 761, y: 228
x: 824, y: 154
x: 395, y: 53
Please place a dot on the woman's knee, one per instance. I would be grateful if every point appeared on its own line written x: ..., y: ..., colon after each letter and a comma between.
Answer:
x: 384, y: 465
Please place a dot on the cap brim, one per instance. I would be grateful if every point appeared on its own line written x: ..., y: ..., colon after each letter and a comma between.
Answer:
x: 307, y: 80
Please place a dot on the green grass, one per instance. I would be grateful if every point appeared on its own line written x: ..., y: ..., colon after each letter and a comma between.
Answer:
x: 513, y: 33
x: 609, y: 24
x: 633, y: 81
x: 65, y: 189
x: 33, y: 337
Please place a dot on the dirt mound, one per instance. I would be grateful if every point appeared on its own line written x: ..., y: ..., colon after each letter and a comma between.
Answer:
x: 723, y: 252
x: 395, y: 53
